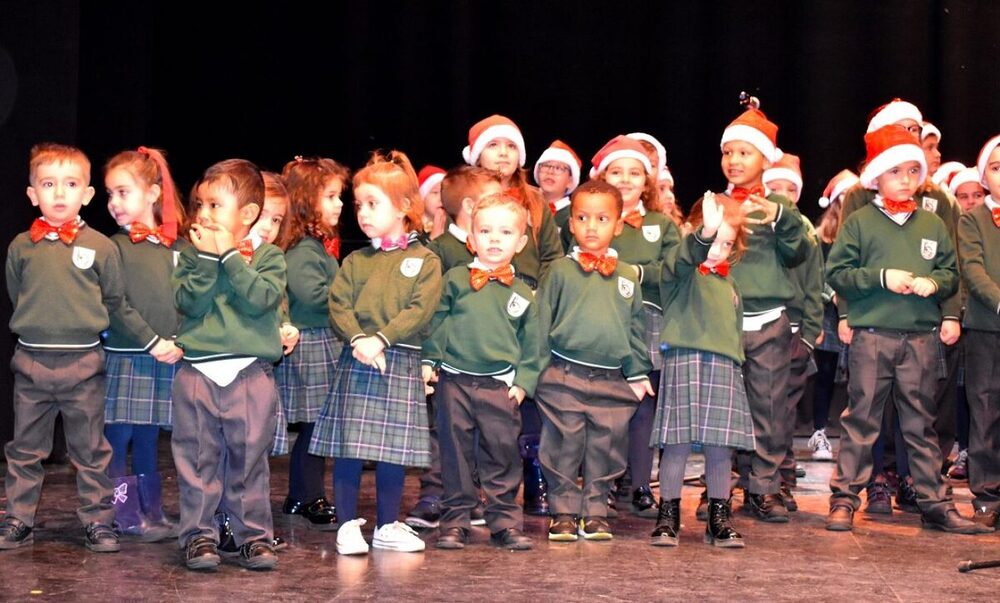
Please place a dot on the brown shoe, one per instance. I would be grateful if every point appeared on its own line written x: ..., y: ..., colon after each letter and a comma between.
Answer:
x: 841, y: 518
x: 986, y: 517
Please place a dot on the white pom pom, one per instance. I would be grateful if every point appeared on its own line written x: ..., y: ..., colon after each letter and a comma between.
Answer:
x: 824, y: 202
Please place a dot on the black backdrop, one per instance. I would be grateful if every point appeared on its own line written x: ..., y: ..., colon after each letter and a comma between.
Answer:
x: 340, y: 79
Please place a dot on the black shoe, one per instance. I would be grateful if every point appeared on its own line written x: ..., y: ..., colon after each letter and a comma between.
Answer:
x: 453, y: 538
x: 258, y: 555
x: 227, y: 541
x: 986, y: 516
x: 906, y: 497
x: 765, y: 507
x: 320, y: 515
x: 595, y: 528
x: 841, y: 518
x: 201, y: 554
x: 15, y: 534
x: 668, y: 523
x: 562, y: 528
x: 719, y: 530
x: 102, y: 539
x: 701, y: 513
x: 785, y: 492
x: 879, y: 498
x: 622, y: 488
x: 612, y: 505
x: 952, y: 522
x: 536, y: 500
x: 278, y: 543
x: 512, y: 539
x: 425, y: 514
x: 643, y: 502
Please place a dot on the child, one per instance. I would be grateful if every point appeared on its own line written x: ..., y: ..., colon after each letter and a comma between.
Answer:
x: 665, y: 192
x: 557, y: 173
x: 143, y: 201
x: 381, y: 302
x: 484, y: 345
x: 979, y: 251
x: 58, y: 365
x: 593, y: 321
x: 930, y: 140
x: 461, y: 188
x: 272, y: 225
x: 225, y: 399
x: 944, y: 173
x: 967, y: 187
x: 702, y: 398
x: 429, y: 179
x: 894, y: 264
x: 305, y: 376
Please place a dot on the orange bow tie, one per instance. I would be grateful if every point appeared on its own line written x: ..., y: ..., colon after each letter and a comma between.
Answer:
x: 332, y: 246
x: 552, y: 208
x: 899, y: 207
x: 634, y: 219
x: 741, y: 194
x: 722, y: 269
x: 996, y: 217
x: 67, y: 232
x: 605, y: 264
x: 245, y: 247
x: 140, y: 232
x: 503, y: 275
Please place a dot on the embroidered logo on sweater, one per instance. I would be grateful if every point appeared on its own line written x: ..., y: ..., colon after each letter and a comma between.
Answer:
x: 83, y: 258
x: 626, y: 287
x: 928, y: 249
x: 516, y: 305
x: 411, y: 267
x: 929, y: 204
x: 651, y: 233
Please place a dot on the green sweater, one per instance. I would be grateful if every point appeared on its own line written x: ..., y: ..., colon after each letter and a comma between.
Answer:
x: 536, y: 256
x: 229, y: 308
x: 310, y: 272
x: 593, y: 320
x: 701, y: 311
x: 391, y: 294
x: 65, y: 295
x: 646, y: 247
x: 486, y: 332
x: 805, y: 310
x: 869, y: 242
x: 979, y: 253
x: 450, y: 249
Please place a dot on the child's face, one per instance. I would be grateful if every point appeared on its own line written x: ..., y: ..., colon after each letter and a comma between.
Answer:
x: 59, y: 190
x: 900, y: 182
x: 329, y: 203
x: 970, y: 196
x: 992, y: 173
x: 271, y: 217
x: 665, y: 188
x: 217, y: 206
x: 554, y: 178
x: 432, y: 201
x: 497, y: 235
x: 785, y: 188
x: 129, y: 199
x: 931, y: 153
x: 377, y: 216
x: 629, y: 176
x: 501, y: 155
x: 722, y: 246
x: 594, y: 222
x: 742, y: 164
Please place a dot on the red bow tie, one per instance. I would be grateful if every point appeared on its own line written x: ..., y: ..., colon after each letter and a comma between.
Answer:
x: 605, y: 264
x: 503, y: 275
x: 332, y: 246
x: 245, y: 247
x: 67, y: 232
x: 899, y: 207
x: 722, y: 269
x: 741, y: 194
x: 401, y: 243
x: 634, y: 219
x: 140, y: 232
x: 996, y: 217
x: 552, y: 208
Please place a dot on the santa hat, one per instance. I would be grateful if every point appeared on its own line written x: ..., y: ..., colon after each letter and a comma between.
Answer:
x: 963, y: 176
x: 665, y: 175
x: 929, y: 129
x: 888, y: 147
x: 946, y: 171
x: 837, y: 186
x: 893, y: 112
x: 429, y: 176
x: 561, y: 152
x: 984, y: 156
x: 619, y: 147
x: 786, y: 168
x: 491, y: 128
x: 753, y: 127
x: 661, y: 151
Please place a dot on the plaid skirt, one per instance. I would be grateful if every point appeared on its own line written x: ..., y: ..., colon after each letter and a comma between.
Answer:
x: 280, y: 445
x: 654, y: 324
x: 702, y: 399
x: 306, y: 375
x: 138, y: 390
x: 375, y: 417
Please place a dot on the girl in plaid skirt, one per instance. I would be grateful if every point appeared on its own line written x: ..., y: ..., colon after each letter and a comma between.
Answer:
x: 381, y: 302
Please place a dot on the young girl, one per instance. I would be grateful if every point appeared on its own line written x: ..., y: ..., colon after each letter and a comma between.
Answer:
x: 272, y: 225
x: 143, y: 201
x: 702, y: 396
x: 305, y: 375
x: 665, y: 191
x: 381, y: 302
x: 429, y: 179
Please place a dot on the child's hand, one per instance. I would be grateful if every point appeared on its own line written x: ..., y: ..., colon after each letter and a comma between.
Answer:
x: 951, y: 330
x: 712, y: 214
x: 923, y: 286
x: 429, y: 376
x: 166, y: 351
x: 440, y: 223
x: 844, y: 332
x: 899, y: 281
x: 366, y: 349
x: 289, y: 338
x: 641, y: 389
x: 758, y: 203
x: 516, y: 393
x: 819, y: 339
x: 379, y: 363
x: 224, y: 239
x: 203, y: 239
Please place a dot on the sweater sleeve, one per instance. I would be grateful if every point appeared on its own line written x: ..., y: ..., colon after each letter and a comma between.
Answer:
x: 945, y: 273
x: 13, y: 270
x: 420, y: 308
x: 549, y: 246
x: 434, y: 345
x: 844, y: 271
x: 972, y: 254
x: 340, y: 303
x: 530, y: 367
x: 637, y: 365
x: 790, y: 239
x: 684, y: 257
x: 308, y: 281
x: 258, y: 288
x: 812, y: 303
x: 113, y: 295
x: 194, y: 281
x: 671, y: 238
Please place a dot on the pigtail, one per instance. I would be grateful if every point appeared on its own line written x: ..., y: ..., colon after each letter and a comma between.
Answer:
x: 171, y: 210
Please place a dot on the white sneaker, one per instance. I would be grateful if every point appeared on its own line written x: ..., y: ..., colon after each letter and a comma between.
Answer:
x: 397, y: 536
x: 820, y: 445
x: 349, y: 538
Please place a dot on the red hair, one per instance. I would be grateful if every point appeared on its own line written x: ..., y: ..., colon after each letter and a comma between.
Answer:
x: 393, y: 174
x: 732, y: 216
x: 50, y: 152
x: 150, y: 167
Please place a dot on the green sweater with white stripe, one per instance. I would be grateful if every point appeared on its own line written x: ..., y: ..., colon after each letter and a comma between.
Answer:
x: 310, y: 272
x: 979, y: 253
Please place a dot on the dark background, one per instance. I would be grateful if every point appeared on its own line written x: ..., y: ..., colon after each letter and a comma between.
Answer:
x: 344, y: 79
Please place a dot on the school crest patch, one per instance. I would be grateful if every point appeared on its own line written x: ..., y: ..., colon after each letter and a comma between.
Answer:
x: 929, y: 204
x: 411, y: 267
x: 651, y: 233
x: 626, y: 287
x: 516, y: 305
x: 928, y: 249
x: 83, y: 257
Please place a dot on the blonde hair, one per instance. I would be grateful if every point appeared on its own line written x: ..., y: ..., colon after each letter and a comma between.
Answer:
x: 393, y: 174
x: 45, y: 153
x: 506, y: 201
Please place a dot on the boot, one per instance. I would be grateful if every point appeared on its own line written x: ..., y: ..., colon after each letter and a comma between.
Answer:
x: 536, y: 501
x: 129, y: 520
x: 668, y: 523
x: 150, y: 487
x: 719, y: 530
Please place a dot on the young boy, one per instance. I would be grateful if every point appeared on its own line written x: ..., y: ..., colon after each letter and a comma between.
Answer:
x: 228, y: 290
x: 484, y: 346
x: 895, y: 265
x: 557, y: 173
x: 592, y: 320
x: 65, y: 283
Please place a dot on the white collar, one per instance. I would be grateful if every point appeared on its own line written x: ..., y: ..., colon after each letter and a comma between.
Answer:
x: 641, y: 208
x: 576, y: 253
x: 478, y: 264
x: 457, y: 232
x: 990, y: 203
x: 897, y: 218
x: 562, y: 203
x: 255, y: 239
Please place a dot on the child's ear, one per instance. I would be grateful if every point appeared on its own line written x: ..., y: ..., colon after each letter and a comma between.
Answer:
x: 249, y: 213
x: 521, y: 243
x: 468, y: 204
x: 88, y: 194
x: 153, y: 193
x: 619, y: 226
x: 33, y: 195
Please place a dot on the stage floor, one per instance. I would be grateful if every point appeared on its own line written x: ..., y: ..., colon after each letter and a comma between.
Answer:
x: 889, y: 558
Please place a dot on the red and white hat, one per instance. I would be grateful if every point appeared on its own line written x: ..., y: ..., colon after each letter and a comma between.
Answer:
x: 754, y: 127
x: 984, y: 156
x: 619, y: 147
x: 945, y: 172
x: 561, y: 152
x: 888, y: 147
x: 491, y: 128
x: 661, y: 151
x: 786, y: 168
x: 665, y: 175
x: 428, y: 176
x: 893, y: 112
x: 837, y: 186
x: 929, y: 129
x: 963, y: 176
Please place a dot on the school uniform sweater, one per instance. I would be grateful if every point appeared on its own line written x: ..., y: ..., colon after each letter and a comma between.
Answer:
x: 593, y: 320
x: 65, y: 295
x: 534, y: 259
x: 979, y: 253
x: 805, y: 309
x: 492, y: 331
x: 310, y: 271
x: 450, y: 248
x: 868, y: 244
x: 646, y: 247
x: 229, y: 309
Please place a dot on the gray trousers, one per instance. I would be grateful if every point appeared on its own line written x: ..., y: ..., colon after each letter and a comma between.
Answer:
x: 798, y: 375
x: 71, y: 384
x: 882, y: 361
x: 585, y: 414
x: 431, y: 484
x: 982, y: 389
x: 221, y: 440
x: 467, y: 407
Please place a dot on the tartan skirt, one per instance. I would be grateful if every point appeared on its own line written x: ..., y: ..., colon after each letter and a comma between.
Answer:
x: 306, y: 375
x: 375, y: 417
x: 654, y: 324
x: 138, y: 390
x: 280, y: 445
x: 702, y: 399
